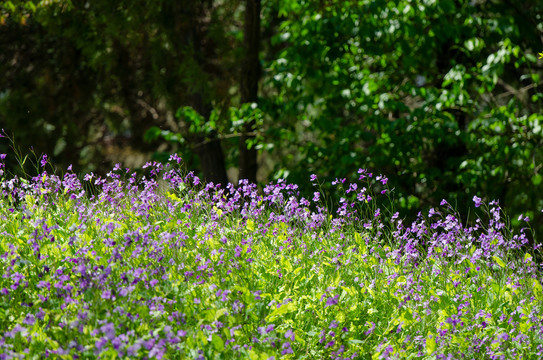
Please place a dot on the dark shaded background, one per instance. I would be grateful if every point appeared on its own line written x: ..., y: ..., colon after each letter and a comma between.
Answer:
x: 443, y: 97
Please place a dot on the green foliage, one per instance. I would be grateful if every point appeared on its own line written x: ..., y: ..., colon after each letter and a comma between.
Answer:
x: 444, y: 96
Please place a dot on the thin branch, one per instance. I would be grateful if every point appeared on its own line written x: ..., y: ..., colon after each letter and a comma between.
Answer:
x: 520, y: 93
x: 148, y: 107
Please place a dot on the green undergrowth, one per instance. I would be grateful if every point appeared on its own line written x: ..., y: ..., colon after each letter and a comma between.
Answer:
x: 200, y: 272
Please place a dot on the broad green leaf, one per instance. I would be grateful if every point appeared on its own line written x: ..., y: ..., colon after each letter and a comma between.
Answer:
x: 430, y: 344
x: 498, y: 261
x: 218, y: 342
x: 537, y: 289
x: 250, y: 225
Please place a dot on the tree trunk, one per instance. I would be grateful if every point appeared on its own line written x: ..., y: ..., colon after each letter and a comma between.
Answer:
x: 250, y: 75
x: 208, y: 148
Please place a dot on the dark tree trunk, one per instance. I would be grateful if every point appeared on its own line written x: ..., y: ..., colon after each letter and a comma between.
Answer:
x: 250, y: 75
x: 208, y: 148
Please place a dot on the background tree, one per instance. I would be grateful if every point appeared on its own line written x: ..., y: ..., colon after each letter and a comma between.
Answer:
x: 86, y: 80
x: 250, y: 75
x: 444, y: 97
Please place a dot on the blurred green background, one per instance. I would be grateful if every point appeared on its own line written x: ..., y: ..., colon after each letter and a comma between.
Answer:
x: 444, y: 97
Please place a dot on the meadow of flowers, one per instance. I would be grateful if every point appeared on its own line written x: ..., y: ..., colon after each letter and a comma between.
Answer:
x: 161, y: 266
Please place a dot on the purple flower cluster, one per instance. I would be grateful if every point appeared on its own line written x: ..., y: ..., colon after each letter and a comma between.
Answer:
x: 165, y: 266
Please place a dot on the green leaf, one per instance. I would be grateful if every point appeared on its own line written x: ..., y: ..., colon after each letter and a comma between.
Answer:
x: 498, y: 261
x: 250, y: 225
x: 218, y: 342
x: 537, y: 289
x: 430, y: 344
x: 355, y: 341
x: 152, y: 134
x: 531, y: 57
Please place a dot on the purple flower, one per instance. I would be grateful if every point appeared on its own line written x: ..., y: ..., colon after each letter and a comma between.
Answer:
x: 316, y: 196
x: 477, y: 201
x: 109, y: 330
x: 270, y: 328
x: 106, y: 294
x: 332, y: 301
x: 43, y: 161
x: 133, y: 350
x: 370, y: 330
x: 289, y: 334
x: 389, y: 349
x: 286, y: 349
x: 29, y: 319
x: 175, y: 157
x: 323, y: 336
x: 382, y: 179
x: 312, y: 177
x: 100, y: 343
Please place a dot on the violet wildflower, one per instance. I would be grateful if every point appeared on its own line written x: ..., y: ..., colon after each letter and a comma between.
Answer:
x: 106, y: 294
x: 29, y: 319
x: 323, y: 336
x: 286, y: 349
x: 270, y: 328
x: 371, y: 329
x: 175, y: 157
x: 43, y: 161
x: 289, y: 334
x: 332, y: 301
x: 382, y: 179
x: 477, y: 201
